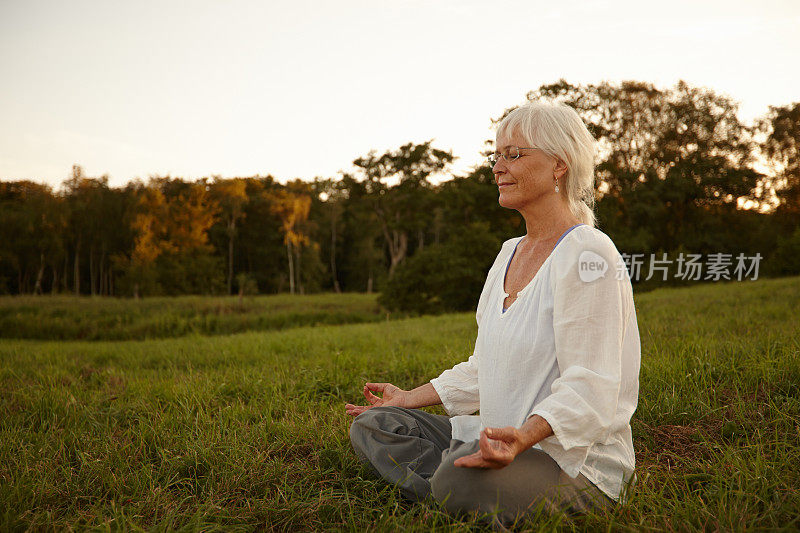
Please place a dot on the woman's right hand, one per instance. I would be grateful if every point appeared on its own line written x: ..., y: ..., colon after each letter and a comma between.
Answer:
x: 390, y: 396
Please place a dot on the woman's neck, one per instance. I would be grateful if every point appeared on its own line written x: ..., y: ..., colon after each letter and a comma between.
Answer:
x: 548, y: 222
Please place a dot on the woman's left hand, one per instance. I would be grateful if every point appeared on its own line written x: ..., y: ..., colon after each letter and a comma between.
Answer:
x: 498, y: 447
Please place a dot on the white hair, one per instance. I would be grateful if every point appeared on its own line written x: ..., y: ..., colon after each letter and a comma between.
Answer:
x: 558, y: 130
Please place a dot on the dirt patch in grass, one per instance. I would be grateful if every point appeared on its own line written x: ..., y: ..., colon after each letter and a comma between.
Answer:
x: 750, y: 402
x: 685, y: 448
x: 676, y: 448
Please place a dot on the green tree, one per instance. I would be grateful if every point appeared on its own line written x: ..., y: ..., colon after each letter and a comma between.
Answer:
x: 261, y: 249
x: 31, y: 224
x: 362, y: 266
x: 95, y: 229
x: 669, y: 158
x: 782, y: 147
x: 231, y: 197
x: 400, y: 208
x: 327, y: 206
x: 444, y: 277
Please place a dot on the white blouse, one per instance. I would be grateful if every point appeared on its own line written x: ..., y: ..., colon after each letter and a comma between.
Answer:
x: 567, y: 349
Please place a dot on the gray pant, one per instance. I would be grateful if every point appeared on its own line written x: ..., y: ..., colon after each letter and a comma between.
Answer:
x: 413, y: 449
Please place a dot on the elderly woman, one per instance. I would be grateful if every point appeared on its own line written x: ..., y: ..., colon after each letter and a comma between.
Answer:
x: 555, y: 370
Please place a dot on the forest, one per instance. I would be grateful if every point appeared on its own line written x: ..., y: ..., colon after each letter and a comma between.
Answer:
x: 677, y: 173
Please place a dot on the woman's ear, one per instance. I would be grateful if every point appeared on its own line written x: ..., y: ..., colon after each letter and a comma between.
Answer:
x: 560, y: 169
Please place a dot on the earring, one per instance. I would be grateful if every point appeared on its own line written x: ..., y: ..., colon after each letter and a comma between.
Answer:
x: 556, y: 184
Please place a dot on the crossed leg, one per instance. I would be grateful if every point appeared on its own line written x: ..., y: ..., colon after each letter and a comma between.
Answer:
x: 532, y: 483
x: 413, y: 449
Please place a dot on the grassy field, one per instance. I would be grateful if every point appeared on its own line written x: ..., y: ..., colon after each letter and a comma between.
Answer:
x: 87, y: 318
x: 248, y: 431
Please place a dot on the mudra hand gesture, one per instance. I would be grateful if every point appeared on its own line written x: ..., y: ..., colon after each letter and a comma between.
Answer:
x: 498, y: 447
x: 391, y: 396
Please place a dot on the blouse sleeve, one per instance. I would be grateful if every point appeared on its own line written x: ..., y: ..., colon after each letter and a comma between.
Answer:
x: 590, y: 314
x: 458, y: 388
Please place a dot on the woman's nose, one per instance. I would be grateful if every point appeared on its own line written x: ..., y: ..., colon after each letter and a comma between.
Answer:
x: 497, y: 169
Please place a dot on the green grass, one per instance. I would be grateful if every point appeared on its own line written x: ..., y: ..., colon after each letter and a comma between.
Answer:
x: 248, y: 431
x: 88, y: 318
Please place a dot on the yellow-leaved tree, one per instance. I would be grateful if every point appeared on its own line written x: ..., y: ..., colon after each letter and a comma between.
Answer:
x: 170, y: 224
x: 293, y: 208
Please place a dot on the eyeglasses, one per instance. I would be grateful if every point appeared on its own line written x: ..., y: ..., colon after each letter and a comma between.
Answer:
x: 511, y: 154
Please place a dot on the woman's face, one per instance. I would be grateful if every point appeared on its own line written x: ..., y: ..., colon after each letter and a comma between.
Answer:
x: 528, y: 179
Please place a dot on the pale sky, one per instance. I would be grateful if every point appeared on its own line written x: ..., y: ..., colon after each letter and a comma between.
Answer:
x: 300, y: 88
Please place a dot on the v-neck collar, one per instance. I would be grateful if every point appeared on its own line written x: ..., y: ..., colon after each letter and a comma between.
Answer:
x: 504, y: 310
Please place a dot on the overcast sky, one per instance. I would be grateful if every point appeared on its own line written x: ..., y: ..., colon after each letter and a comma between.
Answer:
x: 300, y: 89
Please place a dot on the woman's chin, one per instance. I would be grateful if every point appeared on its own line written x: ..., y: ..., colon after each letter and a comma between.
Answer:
x: 506, y: 200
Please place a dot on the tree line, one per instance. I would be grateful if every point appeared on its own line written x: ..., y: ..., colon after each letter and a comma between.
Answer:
x: 677, y: 172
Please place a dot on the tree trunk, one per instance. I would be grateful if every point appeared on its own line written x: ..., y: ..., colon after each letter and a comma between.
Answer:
x: 333, y: 254
x: 54, y: 286
x: 103, y: 276
x: 437, y: 225
x: 298, y: 271
x: 92, y: 273
x: 291, y: 265
x: 396, y: 240
x: 77, y: 270
x: 65, y: 278
x: 398, y: 246
x: 37, y: 288
x: 231, y: 230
